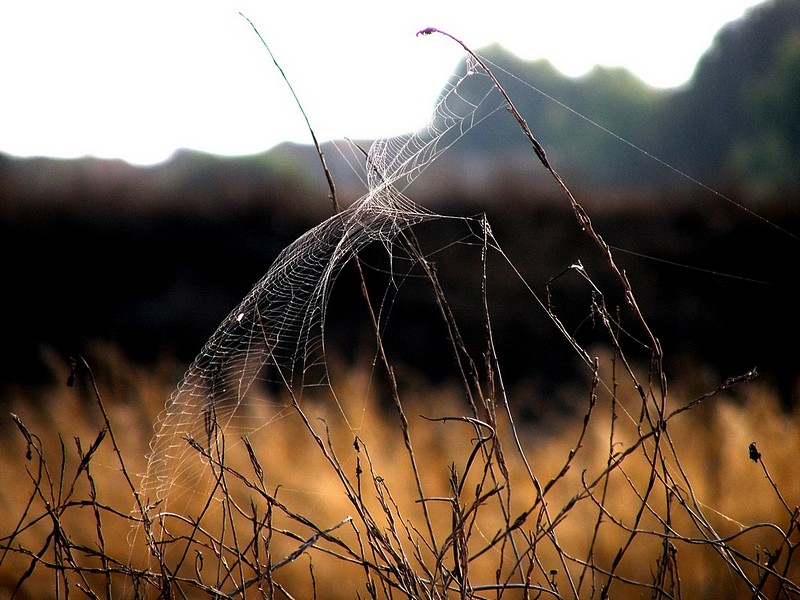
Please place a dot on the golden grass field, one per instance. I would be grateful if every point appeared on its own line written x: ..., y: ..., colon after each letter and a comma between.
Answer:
x: 483, y: 542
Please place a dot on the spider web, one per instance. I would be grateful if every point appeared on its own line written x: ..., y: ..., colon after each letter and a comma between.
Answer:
x: 276, y: 334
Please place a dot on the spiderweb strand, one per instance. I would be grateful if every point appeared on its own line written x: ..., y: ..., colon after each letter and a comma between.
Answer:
x: 276, y: 334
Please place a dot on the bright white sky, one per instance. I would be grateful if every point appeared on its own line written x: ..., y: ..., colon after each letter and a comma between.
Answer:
x: 138, y: 80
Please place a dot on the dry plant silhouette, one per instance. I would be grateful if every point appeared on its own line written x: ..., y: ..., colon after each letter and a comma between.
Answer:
x: 278, y: 471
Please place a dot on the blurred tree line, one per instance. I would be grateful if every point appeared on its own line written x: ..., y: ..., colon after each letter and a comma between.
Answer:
x: 735, y: 126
